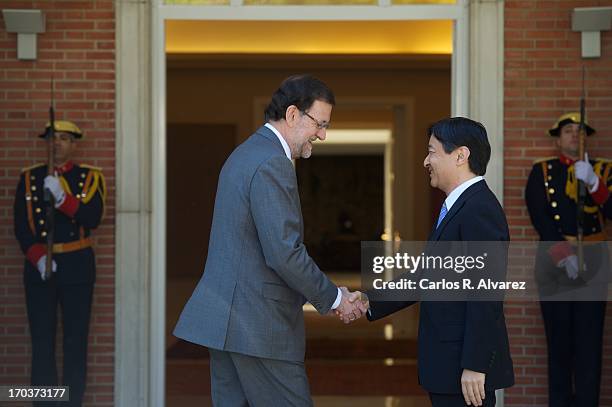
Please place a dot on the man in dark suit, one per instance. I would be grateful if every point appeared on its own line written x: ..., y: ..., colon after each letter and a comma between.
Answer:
x: 247, y: 307
x: 463, y: 352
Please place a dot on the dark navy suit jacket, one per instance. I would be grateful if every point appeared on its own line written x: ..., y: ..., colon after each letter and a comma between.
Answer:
x: 462, y: 335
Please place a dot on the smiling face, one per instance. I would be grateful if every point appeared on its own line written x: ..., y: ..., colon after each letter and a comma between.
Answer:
x: 442, y: 166
x: 304, y: 128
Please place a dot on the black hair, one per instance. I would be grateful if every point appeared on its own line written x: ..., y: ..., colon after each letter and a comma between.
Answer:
x: 456, y: 132
x: 301, y: 91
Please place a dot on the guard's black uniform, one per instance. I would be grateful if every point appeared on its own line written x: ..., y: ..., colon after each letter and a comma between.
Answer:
x: 72, y: 285
x: 574, y: 330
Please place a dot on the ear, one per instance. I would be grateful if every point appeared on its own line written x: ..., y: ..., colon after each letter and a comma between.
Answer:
x: 463, y: 155
x: 292, y: 114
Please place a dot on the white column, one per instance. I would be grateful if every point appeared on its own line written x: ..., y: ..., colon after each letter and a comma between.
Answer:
x: 487, y: 89
x: 460, y: 67
x: 157, y: 175
x: 487, y: 81
x: 133, y: 141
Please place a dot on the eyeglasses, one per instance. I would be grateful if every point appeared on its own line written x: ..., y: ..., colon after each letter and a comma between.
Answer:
x: 320, y: 125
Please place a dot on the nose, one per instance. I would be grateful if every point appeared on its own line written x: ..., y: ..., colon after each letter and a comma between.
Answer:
x: 426, y: 161
x: 322, y: 134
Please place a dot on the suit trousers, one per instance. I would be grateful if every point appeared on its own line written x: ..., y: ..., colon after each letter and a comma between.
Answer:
x: 239, y: 380
x: 457, y: 400
x: 75, y: 301
x: 574, y: 332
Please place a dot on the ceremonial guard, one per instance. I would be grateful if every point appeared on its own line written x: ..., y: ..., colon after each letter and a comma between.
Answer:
x: 77, y: 193
x: 574, y: 329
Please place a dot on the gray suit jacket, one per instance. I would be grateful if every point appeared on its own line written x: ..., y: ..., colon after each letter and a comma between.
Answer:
x: 258, y: 274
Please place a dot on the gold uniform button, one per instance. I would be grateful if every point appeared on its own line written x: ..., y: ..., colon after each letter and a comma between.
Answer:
x: 551, y: 191
x: 32, y: 177
x: 78, y: 196
x: 594, y: 229
x: 553, y: 204
x: 557, y: 217
x: 550, y: 166
x: 83, y: 175
x: 546, y: 184
x: 42, y: 221
x: 38, y: 210
x: 549, y: 177
x: 35, y: 199
x: 80, y: 184
x: 43, y: 234
x: 33, y: 187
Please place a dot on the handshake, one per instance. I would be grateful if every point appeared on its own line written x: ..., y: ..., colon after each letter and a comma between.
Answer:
x: 353, y: 305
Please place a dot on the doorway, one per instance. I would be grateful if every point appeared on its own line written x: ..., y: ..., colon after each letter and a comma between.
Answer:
x: 402, y: 93
x: 381, y: 134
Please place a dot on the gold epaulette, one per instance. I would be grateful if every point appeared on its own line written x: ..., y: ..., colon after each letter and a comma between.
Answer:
x: 91, y: 167
x: 541, y: 160
x: 31, y: 167
x: 603, y: 169
x: 602, y: 160
x: 94, y: 182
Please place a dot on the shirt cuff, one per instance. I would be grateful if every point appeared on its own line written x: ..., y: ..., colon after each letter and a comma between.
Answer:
x: 336, y: 303
x: 599, y: 192
x: 595, y: 186
x: 560, y: 251
x: 35, y: 252
x: 70, y: 206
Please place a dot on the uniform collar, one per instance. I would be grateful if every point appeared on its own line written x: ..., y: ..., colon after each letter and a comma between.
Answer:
x: 64, y: 168
x: 565, y: 160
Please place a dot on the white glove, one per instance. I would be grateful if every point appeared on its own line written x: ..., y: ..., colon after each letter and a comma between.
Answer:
x: 585, y: 173
x: 52, y: 183
x: 41, y: 265
x: 571, y: 266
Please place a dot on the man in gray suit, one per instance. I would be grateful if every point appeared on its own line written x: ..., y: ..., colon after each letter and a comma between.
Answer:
x: 247, y: 307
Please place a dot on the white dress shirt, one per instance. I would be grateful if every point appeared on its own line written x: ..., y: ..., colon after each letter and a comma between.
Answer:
x: 281, y: 139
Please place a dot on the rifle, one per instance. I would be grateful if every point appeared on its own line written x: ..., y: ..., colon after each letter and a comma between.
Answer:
x: 48, y: 196
x: 581, y: 193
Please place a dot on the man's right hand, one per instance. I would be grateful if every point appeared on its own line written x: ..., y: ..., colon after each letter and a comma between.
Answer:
x: 351, y: 307
x: 584, y: 172
x: 53, y: 184
x: 41, y: 265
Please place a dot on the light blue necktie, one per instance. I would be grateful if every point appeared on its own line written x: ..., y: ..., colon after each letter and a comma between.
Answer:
x: 443, y: 212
